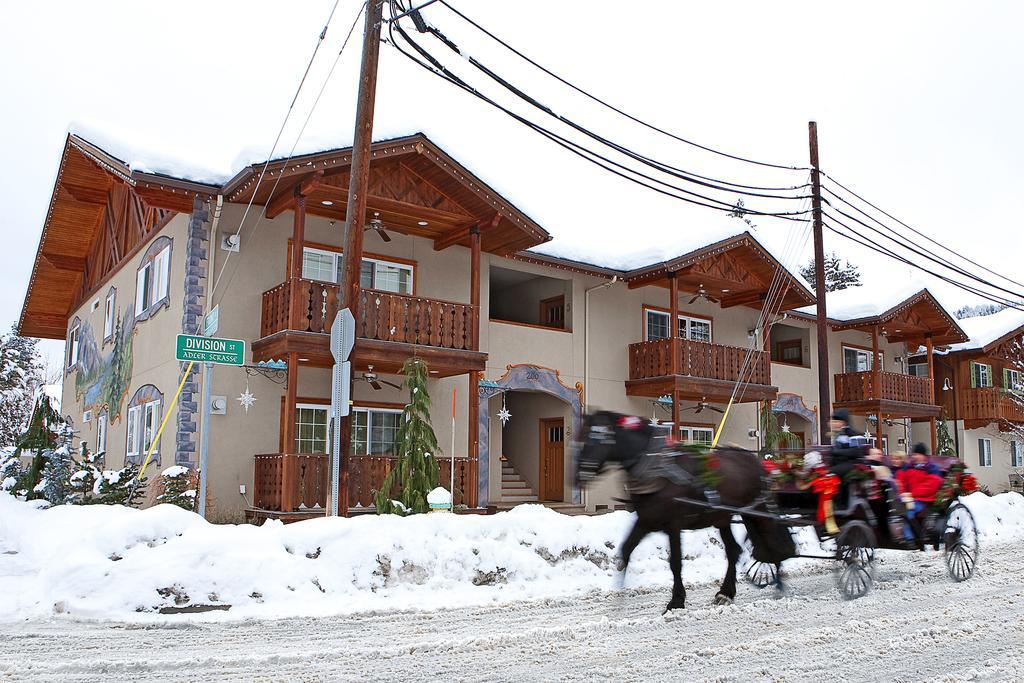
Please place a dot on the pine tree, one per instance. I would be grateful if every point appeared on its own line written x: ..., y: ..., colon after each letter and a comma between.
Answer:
x: 944, y: 441
x: 11, y: 472
x: 178, y: 487
x: 84, y: 478
x: 39, y: 438
x: 20, y: 377
x: 740, y: 211
x: 416, y: 470
x: 838, y: 274
x: 60, y: 466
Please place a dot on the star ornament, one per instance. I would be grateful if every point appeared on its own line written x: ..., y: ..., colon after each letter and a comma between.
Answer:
x: 247, y: 399
x: 504, y: 415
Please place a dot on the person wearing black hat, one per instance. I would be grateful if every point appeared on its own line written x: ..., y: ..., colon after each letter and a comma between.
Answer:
x: 846, y: 452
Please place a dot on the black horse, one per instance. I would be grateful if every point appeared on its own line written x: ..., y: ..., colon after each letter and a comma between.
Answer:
x: 655, y: 494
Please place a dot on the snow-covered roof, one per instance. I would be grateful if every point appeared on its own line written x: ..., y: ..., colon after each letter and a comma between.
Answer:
x: 986, y: 329
x: 869, y: 300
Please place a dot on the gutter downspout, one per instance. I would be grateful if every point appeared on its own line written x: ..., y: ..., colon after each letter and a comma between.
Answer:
x: 204, y: 425
x: 586, y: 351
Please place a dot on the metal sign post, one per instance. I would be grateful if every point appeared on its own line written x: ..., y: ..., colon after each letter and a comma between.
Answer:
x: 204, y: 438
x: 343, y: 338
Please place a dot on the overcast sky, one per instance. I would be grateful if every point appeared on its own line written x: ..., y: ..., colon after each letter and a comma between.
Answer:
x: 918, y: 105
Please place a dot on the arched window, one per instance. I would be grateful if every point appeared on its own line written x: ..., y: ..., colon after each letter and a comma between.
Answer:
x: 74, y: 337
x: 144, y: 414
x: 152, y: 278
x: 110, y: 315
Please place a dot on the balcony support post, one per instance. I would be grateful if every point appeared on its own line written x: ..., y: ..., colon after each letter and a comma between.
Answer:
x: 287, y: 471
x: 676, y: 431
x: 876, y: 392
x: 298, y: 235
x: 474, y: 296
x: 932, y: 427
x: 673, y: 323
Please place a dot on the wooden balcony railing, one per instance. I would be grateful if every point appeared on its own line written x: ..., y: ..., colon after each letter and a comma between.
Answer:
x: 310, y: 306
x: 287, y: 483
x: 991, y: 404
x: 892, y: 386
x: 698, y: 359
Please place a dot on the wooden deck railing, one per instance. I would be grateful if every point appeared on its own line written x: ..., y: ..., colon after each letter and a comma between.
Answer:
x: 698, y: 359
x: 310, y: 306
x: 892, y: 386
x: 991, y: 404
x: 286, y: 483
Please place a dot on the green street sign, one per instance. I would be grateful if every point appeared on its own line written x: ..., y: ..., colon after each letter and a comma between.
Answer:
x: 210, y: 350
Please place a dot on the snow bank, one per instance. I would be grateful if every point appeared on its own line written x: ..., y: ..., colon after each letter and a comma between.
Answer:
x: 115, y: 562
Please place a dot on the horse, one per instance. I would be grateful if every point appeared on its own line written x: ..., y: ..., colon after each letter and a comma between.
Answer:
x: 655, y: 494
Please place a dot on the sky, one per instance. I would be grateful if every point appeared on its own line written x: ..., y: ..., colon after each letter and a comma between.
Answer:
x: 918, y: 107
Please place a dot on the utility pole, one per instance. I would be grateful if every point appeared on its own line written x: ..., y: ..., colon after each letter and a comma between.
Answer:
x: 824, y: 377
x: 355, y: 216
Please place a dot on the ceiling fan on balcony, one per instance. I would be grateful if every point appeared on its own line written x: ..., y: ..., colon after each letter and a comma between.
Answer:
x: 377, y: 225
x: 702, y: 405
x: 375, y: 382
x: 703, y: 294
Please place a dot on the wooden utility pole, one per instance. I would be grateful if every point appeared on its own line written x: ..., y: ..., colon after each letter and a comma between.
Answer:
x: 355, y: 215
x: 824, y: 377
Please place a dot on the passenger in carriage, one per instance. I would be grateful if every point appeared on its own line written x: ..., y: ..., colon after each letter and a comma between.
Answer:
x: 919, y: 482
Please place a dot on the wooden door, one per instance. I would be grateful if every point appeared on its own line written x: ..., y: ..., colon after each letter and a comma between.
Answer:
x: 552, y: 459
x: 552, y: 312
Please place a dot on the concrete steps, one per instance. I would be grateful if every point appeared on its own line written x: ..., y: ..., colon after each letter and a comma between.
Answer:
x: 514, y: 489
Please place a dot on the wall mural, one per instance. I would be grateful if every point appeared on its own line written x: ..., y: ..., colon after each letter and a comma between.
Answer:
x: 102, y: 381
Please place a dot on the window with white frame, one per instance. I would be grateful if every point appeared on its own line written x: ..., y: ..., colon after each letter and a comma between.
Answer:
x: 74, y: 337
x: 859, y: 360
x: 109, y: 314
x: 872, y: 441
x: 143, y: 423
x: 374, y: 273
x: 1013, y: 380
x: 375, y: 430
x: 985, y: 452
x: 702, y: 436
x: 1016, y: 454
x: 310, y: 428
x: 981, y: 375
x: 101, y: 433
x: 152, y: 278
x: 688, y: 327
x: 917, y: 366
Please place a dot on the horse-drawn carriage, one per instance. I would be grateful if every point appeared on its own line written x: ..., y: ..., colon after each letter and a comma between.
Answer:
x: 674, y: 488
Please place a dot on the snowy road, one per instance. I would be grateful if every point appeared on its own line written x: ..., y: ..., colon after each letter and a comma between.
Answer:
x: 915, y: 626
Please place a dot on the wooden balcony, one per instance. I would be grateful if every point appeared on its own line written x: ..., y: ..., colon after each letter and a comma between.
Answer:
x: 297, y: 316
x: 286, y: 483
x: 982, y: 406
x: 700, y: 371
x: 897, y: 395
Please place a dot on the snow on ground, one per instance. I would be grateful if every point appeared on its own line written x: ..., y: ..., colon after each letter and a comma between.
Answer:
x: 106, y: 562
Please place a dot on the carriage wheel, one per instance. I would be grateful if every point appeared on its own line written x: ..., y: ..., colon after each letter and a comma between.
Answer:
x: 855, y: 581
x: 856, y: 544
x: 960, y: 537
x: 762, y: 574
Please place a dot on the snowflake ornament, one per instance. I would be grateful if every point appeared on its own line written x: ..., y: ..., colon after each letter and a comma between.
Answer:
x: 503, y: 414
x: 247, y: 399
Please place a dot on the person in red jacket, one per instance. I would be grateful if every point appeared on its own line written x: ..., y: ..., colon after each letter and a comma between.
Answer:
x: 920, y: 482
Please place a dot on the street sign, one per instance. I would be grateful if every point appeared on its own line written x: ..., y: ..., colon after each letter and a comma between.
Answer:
x: 343, y: 335
x: 192, y: 347
x: 211, y: 323
x: 341, y: 383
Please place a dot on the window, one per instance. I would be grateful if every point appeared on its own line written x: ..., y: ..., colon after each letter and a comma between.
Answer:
x: 1016, y: 454
x: 134, y: 413
x: 143, y: 422
x: 859, y: 360
x: 152, y: 278
x: 917, y: 366
x: 108, y: 314
x: 885, y: 443
x: 985, y: 452
x: 310, y: 428
x: 697, y: 435
x: 790, y: 351
x: 1013, y: 381
x: 327, y: 266
x: 151, y: 425
x: 374, y: 431
x: 656, y: 326
x: 101, y: 433
x: 981, y: 375
x: 74, y: 336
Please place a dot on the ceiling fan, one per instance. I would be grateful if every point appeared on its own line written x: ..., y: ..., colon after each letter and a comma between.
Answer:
x: 375, y: 382
x: 377, y: 225
x: 701, y: 405
x: 703, y: 294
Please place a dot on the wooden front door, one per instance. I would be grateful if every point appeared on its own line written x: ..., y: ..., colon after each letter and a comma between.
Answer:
x: 552, y: 312
x: 552, y: 458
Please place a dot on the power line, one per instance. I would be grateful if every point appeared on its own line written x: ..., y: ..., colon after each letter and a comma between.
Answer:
x: 439, y: 70
x: 616, y: 109
x: 653, y: 163
x: 918, y: 232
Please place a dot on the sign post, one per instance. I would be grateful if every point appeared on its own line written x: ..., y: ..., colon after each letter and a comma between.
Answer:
x: 191, y: 348
x: 343, y: 338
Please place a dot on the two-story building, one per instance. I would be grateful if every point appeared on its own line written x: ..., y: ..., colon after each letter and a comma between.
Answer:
x: 452, y: 273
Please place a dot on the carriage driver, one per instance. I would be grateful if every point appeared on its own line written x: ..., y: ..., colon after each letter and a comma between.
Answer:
x: 846, y: 452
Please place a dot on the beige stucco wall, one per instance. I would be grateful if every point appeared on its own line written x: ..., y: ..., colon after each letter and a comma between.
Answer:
x: 996, y: 477
x: 152, y: 351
